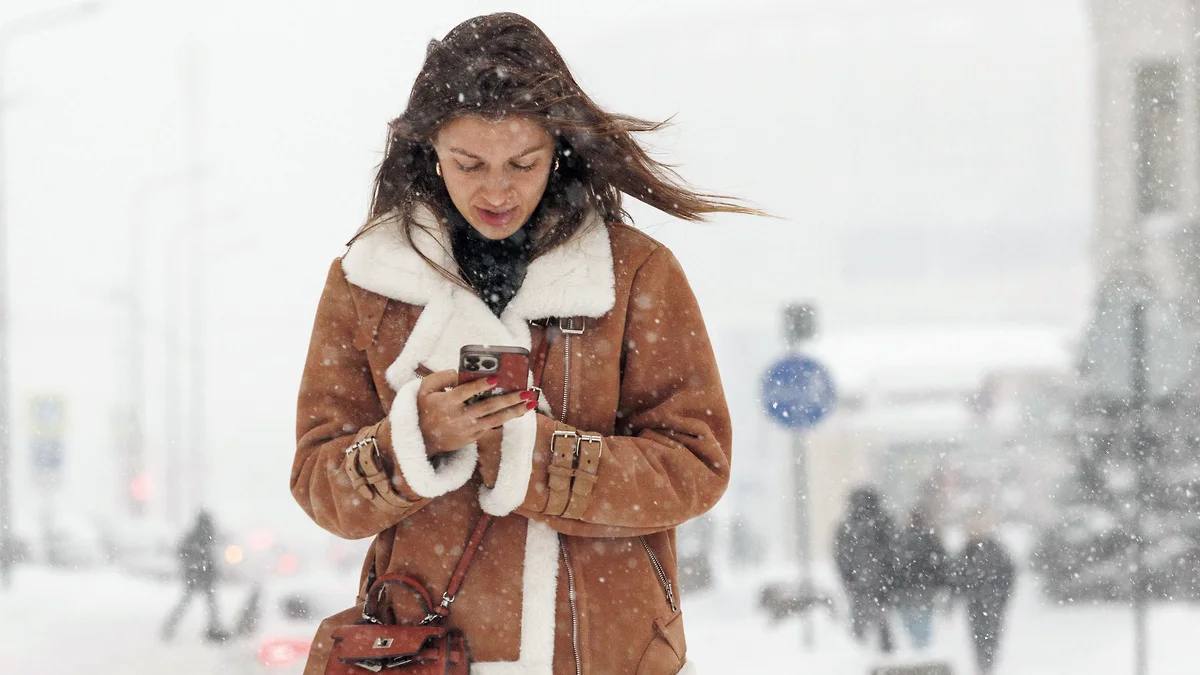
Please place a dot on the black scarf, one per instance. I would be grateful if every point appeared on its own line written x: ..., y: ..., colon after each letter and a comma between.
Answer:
x: 494, y: 268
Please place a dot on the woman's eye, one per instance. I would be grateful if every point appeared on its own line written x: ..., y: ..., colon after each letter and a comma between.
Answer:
x: 469, y: 169
x: 523, y: 167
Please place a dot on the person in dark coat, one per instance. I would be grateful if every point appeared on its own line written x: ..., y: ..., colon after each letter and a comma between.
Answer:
x: 983, y: 575
x: 920, y: 576
x: 865, y: 561
x: 198, y: 568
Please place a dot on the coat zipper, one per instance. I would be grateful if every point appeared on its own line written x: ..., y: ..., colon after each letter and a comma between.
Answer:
x: 662, y: 575
x: 562, y: 413
x: 658, y: 569
x: 562, y: 545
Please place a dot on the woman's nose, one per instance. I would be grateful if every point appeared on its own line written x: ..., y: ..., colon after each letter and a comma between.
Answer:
x: 496, y: 189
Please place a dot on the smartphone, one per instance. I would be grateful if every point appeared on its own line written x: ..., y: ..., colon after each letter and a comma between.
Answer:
x: 510, y: 365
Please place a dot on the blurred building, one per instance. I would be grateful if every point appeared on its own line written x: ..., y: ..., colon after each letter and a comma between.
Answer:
x: 1137, y: 455
x: 1148, y: 145
x: 1147, y: 186
x: 1147, y: 243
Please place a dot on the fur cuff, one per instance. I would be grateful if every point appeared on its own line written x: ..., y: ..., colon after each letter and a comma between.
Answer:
x: 518, y: 436
x: 454, y: 470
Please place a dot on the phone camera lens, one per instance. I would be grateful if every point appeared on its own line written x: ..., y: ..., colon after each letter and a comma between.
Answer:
x: 489, y: 364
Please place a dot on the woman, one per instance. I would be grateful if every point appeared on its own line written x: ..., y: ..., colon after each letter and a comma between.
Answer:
x: 496, y: 220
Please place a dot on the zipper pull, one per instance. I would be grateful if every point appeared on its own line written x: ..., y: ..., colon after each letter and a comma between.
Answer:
x: 671, y: 597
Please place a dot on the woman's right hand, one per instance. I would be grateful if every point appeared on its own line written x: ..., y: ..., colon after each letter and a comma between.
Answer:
x: 448, y: 423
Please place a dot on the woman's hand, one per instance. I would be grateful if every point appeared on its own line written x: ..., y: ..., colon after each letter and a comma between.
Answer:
x: 448, y: 423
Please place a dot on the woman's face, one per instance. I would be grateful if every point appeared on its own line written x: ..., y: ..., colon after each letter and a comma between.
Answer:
x: 495, y: 171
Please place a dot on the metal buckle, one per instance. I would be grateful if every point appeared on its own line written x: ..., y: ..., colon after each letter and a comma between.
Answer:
x: 559, y: 433
x: 591, y: 438
x: 382, y: 643
x: 447, y: 600
x: 568, y: 325
x: 365, y: 441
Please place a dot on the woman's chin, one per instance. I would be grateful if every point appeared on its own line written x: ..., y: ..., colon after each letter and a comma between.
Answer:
x: 494, y: 232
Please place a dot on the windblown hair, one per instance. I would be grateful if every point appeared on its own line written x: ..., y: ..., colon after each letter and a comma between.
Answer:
x: 503, y: 64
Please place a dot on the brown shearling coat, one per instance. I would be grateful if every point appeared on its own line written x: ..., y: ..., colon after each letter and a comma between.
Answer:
x: 598, y: 516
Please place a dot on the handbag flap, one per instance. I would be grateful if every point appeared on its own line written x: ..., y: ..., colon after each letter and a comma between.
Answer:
x: 371, y: 641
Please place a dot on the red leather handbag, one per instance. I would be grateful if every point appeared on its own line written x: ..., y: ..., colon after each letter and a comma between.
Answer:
x: 380, y: 643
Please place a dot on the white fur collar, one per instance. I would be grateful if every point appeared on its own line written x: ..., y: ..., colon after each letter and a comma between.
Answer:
x: 573, y: 279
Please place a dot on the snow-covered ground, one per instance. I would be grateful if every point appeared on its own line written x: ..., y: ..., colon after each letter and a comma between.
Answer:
x: 105, y: 622
x: 723, y: 627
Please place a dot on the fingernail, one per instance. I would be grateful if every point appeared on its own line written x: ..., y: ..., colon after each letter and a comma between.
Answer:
x: 531, y: 405
x: 493, y: 379
x: 528, y: 395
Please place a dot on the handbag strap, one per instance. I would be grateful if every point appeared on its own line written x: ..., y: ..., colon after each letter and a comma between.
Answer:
x: 376, y: 586
x: 464, y: 561
x: 370, y: 612
x: 460, y: 570
x: 540, y: 356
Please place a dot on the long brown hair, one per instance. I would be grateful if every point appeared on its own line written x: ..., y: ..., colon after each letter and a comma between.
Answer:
x: 503, y: 64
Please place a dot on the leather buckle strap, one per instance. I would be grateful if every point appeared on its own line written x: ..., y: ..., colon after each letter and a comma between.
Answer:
x: 564, y: 445
x: 367, y: 475
x: 588, y: 451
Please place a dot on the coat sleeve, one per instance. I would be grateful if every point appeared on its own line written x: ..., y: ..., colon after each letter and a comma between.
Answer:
x: 669, y: 458
x: 347, y: 474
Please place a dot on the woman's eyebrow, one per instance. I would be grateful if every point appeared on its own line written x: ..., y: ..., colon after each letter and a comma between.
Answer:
x: 534, y: 148
x: 527, y: 151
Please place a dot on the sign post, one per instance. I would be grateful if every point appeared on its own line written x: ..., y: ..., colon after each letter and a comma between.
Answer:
x: 797, y: 393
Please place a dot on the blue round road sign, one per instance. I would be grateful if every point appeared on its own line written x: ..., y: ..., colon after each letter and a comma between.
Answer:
x: 798, y: 392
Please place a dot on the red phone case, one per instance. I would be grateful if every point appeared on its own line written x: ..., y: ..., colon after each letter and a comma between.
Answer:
x: 509, y: 364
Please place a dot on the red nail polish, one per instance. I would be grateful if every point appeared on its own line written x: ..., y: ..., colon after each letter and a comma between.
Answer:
x: 527, y: 395
x: 493, y: 379
x: 531, y: 405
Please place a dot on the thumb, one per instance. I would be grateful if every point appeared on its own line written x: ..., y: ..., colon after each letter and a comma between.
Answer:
x: 438, y: 380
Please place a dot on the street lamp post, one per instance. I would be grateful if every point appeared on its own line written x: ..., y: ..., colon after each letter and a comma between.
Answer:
x: 1139, y: 401
x: 21, y: 26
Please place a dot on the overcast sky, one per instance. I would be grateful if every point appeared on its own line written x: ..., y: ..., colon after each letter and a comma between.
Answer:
x: 929, y: 159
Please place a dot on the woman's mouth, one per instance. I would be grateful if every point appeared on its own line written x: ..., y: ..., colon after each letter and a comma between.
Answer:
x: 496, y: 218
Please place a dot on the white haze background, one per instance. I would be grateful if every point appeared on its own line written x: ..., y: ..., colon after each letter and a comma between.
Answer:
x: 930, y: 162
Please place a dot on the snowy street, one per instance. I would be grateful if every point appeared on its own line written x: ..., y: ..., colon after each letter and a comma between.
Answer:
x: 887, y: 310
x: 120, y: 618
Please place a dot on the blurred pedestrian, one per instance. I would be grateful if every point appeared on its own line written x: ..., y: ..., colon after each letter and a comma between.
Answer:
x: 198, y: 568
x: 920, y: 575
x: 865, y: 558
x: 983, y: 576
